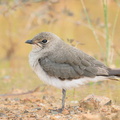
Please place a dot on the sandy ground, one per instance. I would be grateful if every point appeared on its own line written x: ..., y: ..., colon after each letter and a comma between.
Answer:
x: 43, y: 106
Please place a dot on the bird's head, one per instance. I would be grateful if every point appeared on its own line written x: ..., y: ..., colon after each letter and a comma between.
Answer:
x: 44, y: 39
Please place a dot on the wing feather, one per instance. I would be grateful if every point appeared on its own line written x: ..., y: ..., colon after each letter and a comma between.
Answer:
x: 72, y: 64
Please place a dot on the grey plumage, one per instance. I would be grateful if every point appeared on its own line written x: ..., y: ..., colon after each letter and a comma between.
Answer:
x: 63, y: 61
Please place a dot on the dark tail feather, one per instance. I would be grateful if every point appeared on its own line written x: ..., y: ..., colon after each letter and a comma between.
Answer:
x: 114, y: 72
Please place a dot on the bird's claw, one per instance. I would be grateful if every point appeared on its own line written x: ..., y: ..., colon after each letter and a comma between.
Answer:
x: 56, y: 111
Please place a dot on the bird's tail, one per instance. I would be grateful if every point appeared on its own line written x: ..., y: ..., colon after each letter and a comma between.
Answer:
x: 114, y: 74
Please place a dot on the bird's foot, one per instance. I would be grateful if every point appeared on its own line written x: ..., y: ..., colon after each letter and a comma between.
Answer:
x: 57, y: 111
x: 60, y: 110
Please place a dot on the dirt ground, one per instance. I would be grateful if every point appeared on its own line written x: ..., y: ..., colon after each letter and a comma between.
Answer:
x: 39, y: 105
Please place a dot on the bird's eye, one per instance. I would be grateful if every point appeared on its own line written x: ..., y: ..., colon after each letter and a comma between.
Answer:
x: 44, y: 41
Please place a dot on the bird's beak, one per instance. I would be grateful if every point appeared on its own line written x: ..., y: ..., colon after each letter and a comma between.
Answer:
x: 29, y: 42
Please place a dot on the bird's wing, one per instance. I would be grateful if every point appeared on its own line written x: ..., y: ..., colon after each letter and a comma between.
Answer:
x: 62, y: 71
x: 72, y: 64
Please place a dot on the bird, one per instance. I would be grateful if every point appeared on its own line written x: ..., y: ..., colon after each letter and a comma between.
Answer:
x: 63, y: 66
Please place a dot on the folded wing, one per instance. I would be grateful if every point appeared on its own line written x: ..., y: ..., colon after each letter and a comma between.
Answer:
x: 72, y: 64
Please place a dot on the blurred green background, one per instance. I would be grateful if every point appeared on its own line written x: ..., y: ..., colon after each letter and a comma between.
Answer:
x: 90, y: 25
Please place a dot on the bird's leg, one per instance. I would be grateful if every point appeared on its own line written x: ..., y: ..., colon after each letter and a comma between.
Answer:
x: 63, y: 101
x: 63, y: 98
